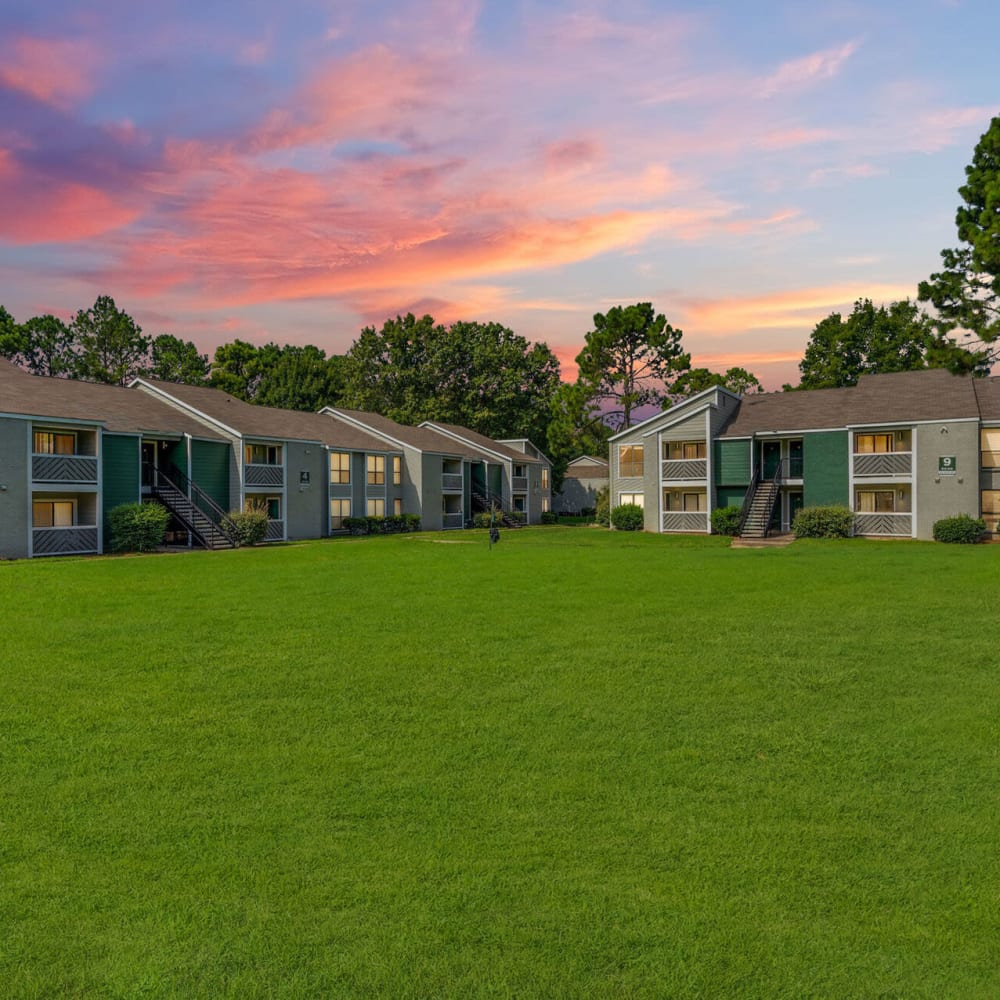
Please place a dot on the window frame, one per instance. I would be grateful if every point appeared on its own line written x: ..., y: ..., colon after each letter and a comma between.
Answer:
x: 343, y: 472
x: 372, y: 505
x: 342, y: 503
x: 267, y: 449
x: 639, y: 499
x: 375, y: 466
x: 397, y: 470
x: 886, y: 437
x: 700, y: 450
x: 55, y: 436
x: 52, y: 503
x: 636, y: 459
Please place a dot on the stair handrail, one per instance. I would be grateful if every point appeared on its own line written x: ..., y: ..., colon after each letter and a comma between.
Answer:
x: 178, y: 480
x: 748, y: 498
x: 490, y: 500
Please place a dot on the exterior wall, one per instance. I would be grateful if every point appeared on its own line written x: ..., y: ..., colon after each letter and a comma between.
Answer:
x: 213, y: 468
x: 939, y: 495
x: 430, y: 491
x: 692, y: 429
x: 535, y: 494
x: 120, y: 471
x: 15, y: 502
x: 732, y: 465
x: 577, y: 494
x: 826, y: 468
x: 635, y: 484
x: 730, y: 496
x: 306, y: 508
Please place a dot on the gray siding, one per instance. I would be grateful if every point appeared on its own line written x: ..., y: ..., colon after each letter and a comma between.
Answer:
x: 940, y: 496
x: 430, y: 491
x: 15, y: 508
x: 692, y: 429
x: 306, y: 508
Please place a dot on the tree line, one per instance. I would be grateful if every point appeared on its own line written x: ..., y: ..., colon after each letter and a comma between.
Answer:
x: 492, y: 380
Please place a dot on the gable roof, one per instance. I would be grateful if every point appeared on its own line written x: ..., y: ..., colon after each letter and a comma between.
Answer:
x: 117, y: 409
x: 421, y: 438
x: 477, y: 440
x: 250, y: 420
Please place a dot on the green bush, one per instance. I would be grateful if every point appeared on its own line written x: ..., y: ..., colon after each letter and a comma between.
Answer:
x: 482, y: 519
x: 550, y: 517
x: 823, y: 522
x: 138, y: 527
x: 726, y: 520
x: 394, y: 524
x: 602, y: 512
x: 245, y: 527
x: 627, y: 517
x: 962, y: 529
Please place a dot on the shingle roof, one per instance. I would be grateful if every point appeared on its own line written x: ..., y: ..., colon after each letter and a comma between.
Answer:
x: 270, y: 421
x: 929, y: 394
x: 476, y: 439
x: 117, y: 409
x: 586, y: 472
x: 988, y: 397
x: 421, y: 438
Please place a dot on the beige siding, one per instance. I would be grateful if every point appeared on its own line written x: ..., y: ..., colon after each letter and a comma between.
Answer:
x: 940, y: 496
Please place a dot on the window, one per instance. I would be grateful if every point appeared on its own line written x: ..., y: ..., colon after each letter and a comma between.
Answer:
x: 684, y: 449
x: 340, y: 467
x: 376, y: 507
x: 545, y: 478
x: 989, y: 443
x: 872, y: 444
x: 397, y: 470
x: 54, y: 443
x: 638, y: 499
x: 630, y: 460
x: 520, y: 503
x: 519, y: 471
x: 694, y: 501
x: 876, y: 501
x: 339, y: 509
x: 397, y: 506
x: 545, y: 505
x: 376, y: 470
x: 268, y: 505
x: 991, y: 509
x: 262, y: 454
x: 53, y: 513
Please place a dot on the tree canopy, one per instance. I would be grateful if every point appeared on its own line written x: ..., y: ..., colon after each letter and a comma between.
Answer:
x: 696, y: 380
x: 630, y: 359
x: 176, y: 360
x: 874, y: 340
x: 110, y: 345
x: 480, y: 375
x: 966, y: 292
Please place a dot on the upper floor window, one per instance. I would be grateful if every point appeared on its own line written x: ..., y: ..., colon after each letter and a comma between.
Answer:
x: 262, y: 454
x: 684, y: 449
x: 989, y: 443
x: 54, y: 443
x: 630, y: 460
x: 873, y: 444
x: 376, y: 470
x: 340, y: 467
x: 397, y: 470
x: 519, y: 471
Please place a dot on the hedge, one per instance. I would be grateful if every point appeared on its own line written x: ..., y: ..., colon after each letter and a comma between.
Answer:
x: 393, y: 524
x: 627, y: 517
x: 726, y: 520
x: 138, y: 527
x: 961, y: 530
x: 823, y: 522
x: 245, y: 527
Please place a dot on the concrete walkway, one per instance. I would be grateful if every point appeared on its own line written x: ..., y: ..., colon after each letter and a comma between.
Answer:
x: 771, y: 542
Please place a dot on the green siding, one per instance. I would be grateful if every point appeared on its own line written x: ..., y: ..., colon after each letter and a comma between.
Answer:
x: 730, y: 496
x: 120, y: 475
x: 210, y: 469
x: 732, y: 463
x: 177, y: 454
x: 825, y: 470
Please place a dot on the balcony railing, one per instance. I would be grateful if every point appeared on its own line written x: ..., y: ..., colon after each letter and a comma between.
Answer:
x: 452, y: 520
x: 685, y: 520
x: 263, y: 475
x: 64, y: 541
x: 451, y: 480
x: 519, y: 483
x: 275, y: 531
x: 64, y: 468
x: 898, y: 525
x: 890, y: 463
x: 684, y: 468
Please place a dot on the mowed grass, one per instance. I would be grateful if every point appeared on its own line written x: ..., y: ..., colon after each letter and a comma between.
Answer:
x: 582, y: 764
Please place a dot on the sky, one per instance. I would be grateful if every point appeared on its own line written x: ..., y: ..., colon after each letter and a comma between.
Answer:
x: 296, y: 171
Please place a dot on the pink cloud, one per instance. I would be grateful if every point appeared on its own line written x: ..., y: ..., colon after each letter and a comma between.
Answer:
x: 801, y: 72
x: 55, y: 71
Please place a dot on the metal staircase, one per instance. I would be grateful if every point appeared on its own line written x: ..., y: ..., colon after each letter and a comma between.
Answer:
x: 199, y: 513
x: 759, y: 504
x: 484, y: 499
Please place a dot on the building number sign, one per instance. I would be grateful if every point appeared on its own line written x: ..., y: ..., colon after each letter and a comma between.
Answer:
x: 946, y: 465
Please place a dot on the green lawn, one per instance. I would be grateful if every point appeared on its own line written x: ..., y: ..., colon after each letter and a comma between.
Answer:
x: 582, y: 764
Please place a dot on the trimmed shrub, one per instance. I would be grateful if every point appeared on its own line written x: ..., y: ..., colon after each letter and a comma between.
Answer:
x: 394, y: 524
x: 960, y: 530
x: 823, y: 522
x: 550, y: 517
x: 138, y: 527
x: 482, y: 519
x: 245, y: 527
x: 627, y: 517
x: 602, y: 512
x: 726, y: 520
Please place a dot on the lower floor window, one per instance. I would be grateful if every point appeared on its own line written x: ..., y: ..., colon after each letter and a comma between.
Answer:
x: 267, y: 505
x: 376, y: 507
x: 545, y: 505
x: 638, y: 499
x: 991, y: 509
x: 53, y: 513
x: 339, y: 509
x: 693, y: 501
x: 520, y: 503
x: 876, y: 501
x: 397, y: 506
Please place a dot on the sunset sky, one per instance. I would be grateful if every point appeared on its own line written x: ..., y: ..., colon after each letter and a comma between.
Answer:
x: 294, y: 171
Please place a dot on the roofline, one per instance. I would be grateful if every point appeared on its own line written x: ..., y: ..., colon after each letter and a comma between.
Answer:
x: 85, y: 421
x: 156, y: 391
x: 696, y: 397
x: 472, y: 444
x: 332, y: 411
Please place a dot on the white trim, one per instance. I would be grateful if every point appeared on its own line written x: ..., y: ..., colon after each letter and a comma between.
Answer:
x: 709, y: 485
x: 913, y: 481
x: 29, y: 444
x: 688, y: 404
x: 671, y: 423
x: 181, y: 405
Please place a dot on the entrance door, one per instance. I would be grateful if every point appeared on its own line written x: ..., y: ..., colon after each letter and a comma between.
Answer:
x: 771, y: 458
x: 795, y: 504
x: 795, y: 459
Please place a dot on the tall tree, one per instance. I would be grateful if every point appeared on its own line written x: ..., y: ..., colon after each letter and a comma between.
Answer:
x: 630, y: 359
x: 872, y: 341
x: 176, y: 360
x: 11, y: 340
x: 576, y: 428
x: 966, y: 293
x: 48, y: 347
x: 236, y: 369
x: 480, y: 375
x: 299, y: 378
x: 111, y: 345
x: 696, y: 380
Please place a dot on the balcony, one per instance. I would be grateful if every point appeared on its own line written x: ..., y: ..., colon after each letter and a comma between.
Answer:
x: 685, y: 520
x: 264, y: 475
x: 275, y: 531
x: 451, y: 481
x: 891, y: 463
x: 519, y: 484
x: 64, y: 468
x: 684, y: 469
x: 75, y: 540
x: 452, y: 520
x: 891, y: 525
